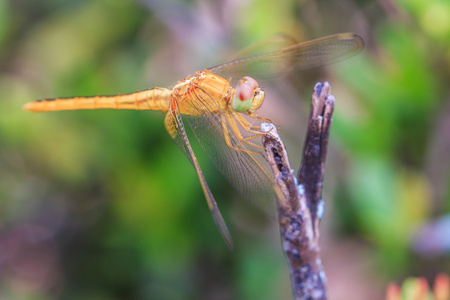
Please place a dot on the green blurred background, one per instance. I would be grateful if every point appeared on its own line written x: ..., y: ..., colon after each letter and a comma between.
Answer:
x: 102, y: 205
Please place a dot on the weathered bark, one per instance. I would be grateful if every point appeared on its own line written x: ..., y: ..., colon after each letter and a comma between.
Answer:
x: 300, y: 206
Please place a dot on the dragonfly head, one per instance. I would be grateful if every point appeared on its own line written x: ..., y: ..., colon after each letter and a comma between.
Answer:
x: 248, y: 96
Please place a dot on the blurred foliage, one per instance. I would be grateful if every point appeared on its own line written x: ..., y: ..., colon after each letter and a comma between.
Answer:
x: 102, y: 204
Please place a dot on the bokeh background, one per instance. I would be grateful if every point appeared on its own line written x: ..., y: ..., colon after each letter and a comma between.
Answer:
x: 102, y: 205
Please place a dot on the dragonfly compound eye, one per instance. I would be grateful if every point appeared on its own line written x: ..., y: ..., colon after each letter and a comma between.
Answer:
x: 243, y: 97
x: 250, y: 81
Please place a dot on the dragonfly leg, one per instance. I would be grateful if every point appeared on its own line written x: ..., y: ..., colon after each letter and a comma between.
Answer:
x: 235, y: 129
x: 248, y: 127
x: 256, y: 116
x: 226, y: 135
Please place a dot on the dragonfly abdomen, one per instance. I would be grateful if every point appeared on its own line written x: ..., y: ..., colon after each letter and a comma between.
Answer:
x: 152, y: 99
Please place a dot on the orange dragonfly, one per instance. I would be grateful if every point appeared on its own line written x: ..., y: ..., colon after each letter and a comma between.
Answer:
x: 215, y: 110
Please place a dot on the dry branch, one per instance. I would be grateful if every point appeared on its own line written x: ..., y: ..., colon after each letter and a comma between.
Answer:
x: 299, y: 199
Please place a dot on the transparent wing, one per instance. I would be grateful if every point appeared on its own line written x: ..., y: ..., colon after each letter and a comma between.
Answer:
x: 173, y: 120
x: 270, y: 65
x: 242, y: 169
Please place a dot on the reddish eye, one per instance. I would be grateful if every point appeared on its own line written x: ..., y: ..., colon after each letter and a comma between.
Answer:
x: 251, y: 81
x: 245, y: 91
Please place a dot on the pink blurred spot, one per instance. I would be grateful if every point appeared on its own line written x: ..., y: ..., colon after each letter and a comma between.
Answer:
x: 441, y: 288
x: 393, y: 292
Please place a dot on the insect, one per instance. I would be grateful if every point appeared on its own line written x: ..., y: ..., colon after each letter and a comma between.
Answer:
x: 214, y: 102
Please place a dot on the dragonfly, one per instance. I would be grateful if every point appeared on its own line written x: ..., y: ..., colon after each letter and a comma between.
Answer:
x: 219, y: 104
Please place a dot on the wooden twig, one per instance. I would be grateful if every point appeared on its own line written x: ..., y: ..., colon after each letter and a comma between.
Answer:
x: 300, y: 206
